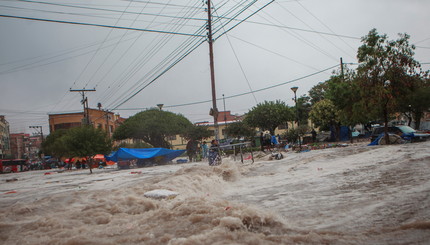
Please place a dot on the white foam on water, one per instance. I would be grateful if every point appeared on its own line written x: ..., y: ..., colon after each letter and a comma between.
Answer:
x: 351, y: 195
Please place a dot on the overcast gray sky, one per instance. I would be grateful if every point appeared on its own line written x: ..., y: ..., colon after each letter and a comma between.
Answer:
x: 288, y: 43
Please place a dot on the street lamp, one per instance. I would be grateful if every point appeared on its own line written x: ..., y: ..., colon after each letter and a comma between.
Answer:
x: 294, y: 89
x: 295, y: 101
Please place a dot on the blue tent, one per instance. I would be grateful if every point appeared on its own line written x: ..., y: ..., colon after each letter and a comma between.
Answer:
x: 159, y: 154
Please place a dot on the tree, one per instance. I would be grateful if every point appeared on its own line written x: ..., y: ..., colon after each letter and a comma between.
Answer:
x: 317, y: 92
x: 416, y: 101
x: 87, y: 141
x: 54, y: 144
x: 269, y: 115
x: 385, y: 73
x: 240, y: 129
x: 304, y: 107
x: 343, y: 91
x: 153, y: 126
x: 197, y: 133
x: 325, y: 113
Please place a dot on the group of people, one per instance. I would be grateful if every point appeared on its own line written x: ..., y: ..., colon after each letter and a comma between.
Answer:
x: 268, y: 141
x: 197, y: 152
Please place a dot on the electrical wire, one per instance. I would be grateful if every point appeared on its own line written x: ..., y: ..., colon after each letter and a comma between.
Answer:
x: 244, y: 93
x: 273, y: 52
x: 97, y: 25
x: 93, y: 15
x: 99, y: 9
x: 241, y: 68
x: 153, y: 51
x: 302, y: 39
x: 328, y: 28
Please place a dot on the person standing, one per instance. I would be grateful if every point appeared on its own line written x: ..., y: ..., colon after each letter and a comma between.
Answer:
x: 191, y: 149
x: 214, y: 157
x: 204, y: 148
x: 314, y: 135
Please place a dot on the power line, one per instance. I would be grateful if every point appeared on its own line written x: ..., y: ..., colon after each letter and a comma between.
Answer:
x: 275, y: 53
x: 241, y: 68
x: 99, y: 9
x: 164, y: 4
x: 300, y: 38
x: 98, y: 25
x: 291, y: 28
x: 328, y: 55
x: 158, y: 68
x: 35, y: 64
x: 111, y: 51
x: 168, y: 69
x: 324, y: 25
x: 80, y: 14
x: 245, y: 93
x: 157, y: 77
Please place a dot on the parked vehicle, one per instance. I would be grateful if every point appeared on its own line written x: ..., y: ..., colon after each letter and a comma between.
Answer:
x: 13, y: 165
x: 405, y: 132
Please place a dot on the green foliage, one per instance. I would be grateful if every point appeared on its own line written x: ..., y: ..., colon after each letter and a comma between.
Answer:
x: 86, y: 141
x: 324, y: 113
x: 304, y: 107
x: 317, y: 92
x: 153, y: 126
x: 240, y: 129
x: 386, y: 72
x: 197, y: 133
x: 416, y: 101
x: 269, y: 115
x: 54, y: 144
x: 292, y: 135
x: 344, y: 92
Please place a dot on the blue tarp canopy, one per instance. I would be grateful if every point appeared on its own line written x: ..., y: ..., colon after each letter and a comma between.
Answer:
x: 145, y: 153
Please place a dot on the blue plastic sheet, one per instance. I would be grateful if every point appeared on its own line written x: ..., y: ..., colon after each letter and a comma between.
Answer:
x: 145, y: 153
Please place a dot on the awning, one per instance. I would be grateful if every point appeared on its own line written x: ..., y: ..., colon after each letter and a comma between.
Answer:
x: 160, y: 154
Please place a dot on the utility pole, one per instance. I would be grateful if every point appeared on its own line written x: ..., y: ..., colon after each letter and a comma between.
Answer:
x: 214, y: 110
x: 41, y: 135
x: 341, y: 67
x: 84, y: 102
x: 41, y: 131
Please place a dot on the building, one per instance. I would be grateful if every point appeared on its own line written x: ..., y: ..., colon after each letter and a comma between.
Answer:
x: 34, y: 146
x: 4, y: 138
x: 20, y: 145
x: 224, y: 118
x: 105, y: 120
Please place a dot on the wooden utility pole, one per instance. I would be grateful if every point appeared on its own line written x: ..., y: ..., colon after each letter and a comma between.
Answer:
x: 84, y: 102
x: 41, y: 131
x: 214, y: 110
x: 341, y: 67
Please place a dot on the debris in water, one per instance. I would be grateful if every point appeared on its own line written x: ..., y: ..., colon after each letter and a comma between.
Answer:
x: 10, y: 192
x: 161, y: 194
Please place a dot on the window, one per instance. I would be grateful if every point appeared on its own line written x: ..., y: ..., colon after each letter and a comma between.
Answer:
x: 67, y: 125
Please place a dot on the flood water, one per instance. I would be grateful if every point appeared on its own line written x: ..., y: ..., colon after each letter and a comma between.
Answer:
x: 350, y: 195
